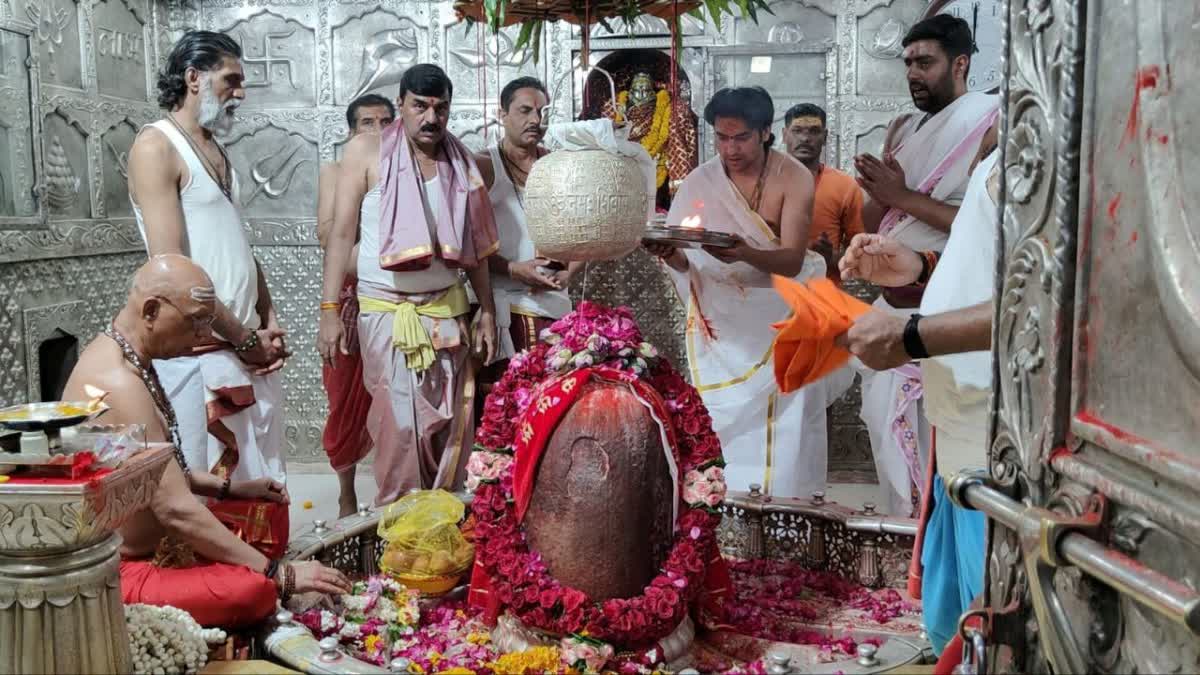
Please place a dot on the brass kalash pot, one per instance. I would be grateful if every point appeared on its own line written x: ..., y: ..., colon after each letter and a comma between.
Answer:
x: 60, y: 588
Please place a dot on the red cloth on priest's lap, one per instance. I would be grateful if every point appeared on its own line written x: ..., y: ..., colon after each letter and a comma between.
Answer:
x: 215, y: 594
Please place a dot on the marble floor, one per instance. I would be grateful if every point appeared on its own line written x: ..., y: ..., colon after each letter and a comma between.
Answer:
x: 314, y: 491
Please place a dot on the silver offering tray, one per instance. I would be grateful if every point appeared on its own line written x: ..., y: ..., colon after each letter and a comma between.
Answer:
x: 687, y: 237
x: 49, y: 415
x: 47, y: 419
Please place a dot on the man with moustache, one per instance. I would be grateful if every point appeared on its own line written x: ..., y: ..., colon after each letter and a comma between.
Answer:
x: 837, y: 208
x: 837, y: 199
x: 415, y: 199
x: 346, y: 439
x: 913, y: 195
x: 530, y: 290
x: 228, y: 393
x: 762, y: 198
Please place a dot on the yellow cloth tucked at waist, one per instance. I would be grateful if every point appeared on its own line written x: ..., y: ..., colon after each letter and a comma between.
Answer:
x: 408, y: 333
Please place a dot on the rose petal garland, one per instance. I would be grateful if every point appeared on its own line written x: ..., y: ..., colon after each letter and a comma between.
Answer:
x: 595, y: 335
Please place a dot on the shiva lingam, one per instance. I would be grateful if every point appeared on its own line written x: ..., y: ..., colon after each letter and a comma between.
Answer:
x: 689, y: 234
x: 60, y: 591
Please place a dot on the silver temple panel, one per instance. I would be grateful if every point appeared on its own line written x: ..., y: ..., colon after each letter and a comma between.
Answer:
x: 305, y: 60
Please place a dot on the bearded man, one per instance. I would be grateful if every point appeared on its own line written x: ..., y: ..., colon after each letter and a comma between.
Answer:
x: 913, y: 195
x: 184, y: 191
x: 415, y: 200
x: 175, y: 552
x: 764, y: 199
x: 346, y: 439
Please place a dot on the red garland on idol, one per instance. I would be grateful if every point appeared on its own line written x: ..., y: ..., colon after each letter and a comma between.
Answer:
x: 594, y: 342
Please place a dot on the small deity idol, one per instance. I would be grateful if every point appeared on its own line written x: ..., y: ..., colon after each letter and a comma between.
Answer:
x: 665, y: 128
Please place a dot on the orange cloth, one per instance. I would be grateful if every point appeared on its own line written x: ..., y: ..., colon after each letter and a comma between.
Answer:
x: 804, y: 348
x: 837, y: 208
x: 215, y: 594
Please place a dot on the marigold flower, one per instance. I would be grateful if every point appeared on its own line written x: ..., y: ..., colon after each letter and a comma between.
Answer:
x: 533, y: 660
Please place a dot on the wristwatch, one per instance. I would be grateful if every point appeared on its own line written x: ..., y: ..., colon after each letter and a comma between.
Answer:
x: 913, y: 346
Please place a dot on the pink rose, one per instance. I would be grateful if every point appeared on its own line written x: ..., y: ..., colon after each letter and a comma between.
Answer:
x: 718, y: 489
x: 713, y: 499
x: 715, y: 473
x: 475, y: 465
x: 502, y: 462
x: 490, y: 472
x: 522, y: 398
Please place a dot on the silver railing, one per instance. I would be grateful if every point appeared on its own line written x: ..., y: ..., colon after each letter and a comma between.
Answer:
x: 1051, y: 540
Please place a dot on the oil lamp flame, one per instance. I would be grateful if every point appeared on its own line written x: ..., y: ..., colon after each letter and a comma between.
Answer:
x: 691, y: 222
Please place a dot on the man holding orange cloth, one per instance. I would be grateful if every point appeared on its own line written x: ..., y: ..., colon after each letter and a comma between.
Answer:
x: 950, y: 336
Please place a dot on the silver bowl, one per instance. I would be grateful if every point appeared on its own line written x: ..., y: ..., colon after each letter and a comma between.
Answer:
x: 49, y: 415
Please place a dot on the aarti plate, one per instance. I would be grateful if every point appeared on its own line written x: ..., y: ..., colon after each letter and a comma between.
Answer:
x: 687, y: 237
x: 50, y: 415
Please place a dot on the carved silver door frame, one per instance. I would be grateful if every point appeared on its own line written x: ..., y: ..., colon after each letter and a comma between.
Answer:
x: 38, y: 218
x: 1073, y: 456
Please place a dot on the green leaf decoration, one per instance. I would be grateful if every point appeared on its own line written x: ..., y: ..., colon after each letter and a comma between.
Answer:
x: 495, y: 11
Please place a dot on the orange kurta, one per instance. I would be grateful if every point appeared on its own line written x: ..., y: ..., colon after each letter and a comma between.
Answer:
x: 837, y: 207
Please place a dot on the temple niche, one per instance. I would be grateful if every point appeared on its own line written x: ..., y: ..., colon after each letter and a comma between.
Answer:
x: 657, y: 108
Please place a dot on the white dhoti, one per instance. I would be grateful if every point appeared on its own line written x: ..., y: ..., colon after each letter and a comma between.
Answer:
x: 778, y: 441
x: 936, y: 154
x: 420, y: 419
x: 900, y: 440
x: 228, y: 417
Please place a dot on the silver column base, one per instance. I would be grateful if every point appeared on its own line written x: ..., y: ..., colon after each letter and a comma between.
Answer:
x: 62, y: 613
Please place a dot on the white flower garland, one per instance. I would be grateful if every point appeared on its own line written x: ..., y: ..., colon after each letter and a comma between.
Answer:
x: 167, y: 640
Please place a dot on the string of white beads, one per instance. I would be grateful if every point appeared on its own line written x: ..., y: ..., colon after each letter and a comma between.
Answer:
x: 167, y: 640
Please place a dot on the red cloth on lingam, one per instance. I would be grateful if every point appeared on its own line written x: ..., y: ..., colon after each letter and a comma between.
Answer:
x: 535, y: 427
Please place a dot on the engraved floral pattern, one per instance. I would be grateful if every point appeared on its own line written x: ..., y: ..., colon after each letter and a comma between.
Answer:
x: 1027, y: 157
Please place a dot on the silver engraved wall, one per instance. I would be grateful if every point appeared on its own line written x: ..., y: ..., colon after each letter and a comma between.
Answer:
x: 306, y: 59
x: 75, y: 85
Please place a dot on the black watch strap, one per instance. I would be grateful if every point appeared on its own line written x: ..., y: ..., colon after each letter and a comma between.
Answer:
x: 913, y: 345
